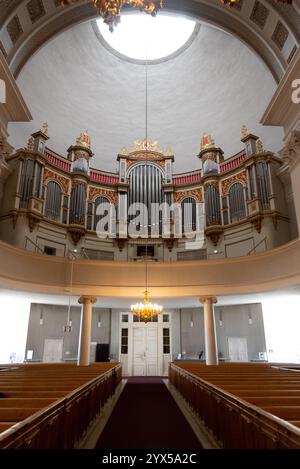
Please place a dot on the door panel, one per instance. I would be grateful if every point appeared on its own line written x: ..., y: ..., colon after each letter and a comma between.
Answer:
x: 237, y: 349
x: 53, y: 350
x: 139, y: 351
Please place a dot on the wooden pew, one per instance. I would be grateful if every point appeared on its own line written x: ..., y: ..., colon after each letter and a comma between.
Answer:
x: 51, y: 406
x: 260, y: 397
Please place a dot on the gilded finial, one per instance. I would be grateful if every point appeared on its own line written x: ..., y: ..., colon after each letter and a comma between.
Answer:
x: 84, y: 140
x: 124, y: 151
x: 169, y: 151
x: 45, y: 128
x: 207, y: 142
x: 244, y: 132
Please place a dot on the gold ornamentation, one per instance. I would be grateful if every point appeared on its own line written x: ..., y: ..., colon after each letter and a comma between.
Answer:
x: 98, y: 192
x: 124, y: 151
x: 62, y: 181
x: 227, y: 183
x: 84, y: 140
x: 146, y: 310
x: 244, y: 132
x: 45, y: 128
x: 110, y: 10
x: 207, y: 142
x: 196, y: 193
x: 214, y: 184
x: 144, y: 145
x: 169, y: 151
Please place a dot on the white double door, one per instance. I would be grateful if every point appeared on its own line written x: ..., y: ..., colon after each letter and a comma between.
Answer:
x: 145, y: 351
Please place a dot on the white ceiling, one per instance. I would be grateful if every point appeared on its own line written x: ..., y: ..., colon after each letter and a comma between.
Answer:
x: 214, y: 86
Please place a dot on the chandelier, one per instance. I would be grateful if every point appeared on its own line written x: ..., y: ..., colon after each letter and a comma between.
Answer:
x: 146, y: 310
x: 110, y: 10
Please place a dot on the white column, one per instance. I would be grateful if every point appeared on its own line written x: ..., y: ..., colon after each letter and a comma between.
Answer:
x: 211, y: 349
x: 87, y: 303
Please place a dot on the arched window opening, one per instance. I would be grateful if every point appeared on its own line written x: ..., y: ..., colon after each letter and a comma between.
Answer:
x: 237, y: 202
x: 78, y: 205
x: 189, y: 215
x: 53, y: 201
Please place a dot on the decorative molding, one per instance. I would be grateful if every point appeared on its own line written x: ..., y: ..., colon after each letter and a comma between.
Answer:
x: 196, y: 193
x: 87, y: 299
x: 170, y: 244
x: 33, y: 222
x: 227, y: 183
x: 280, y: 35
x: 208, y: 299
x: 95, y: 192
x: 257, y: 223
x: 214, y: 233
x: 291, y: 151
x: 211, y: 183
x: 121, y: 242
x: 153, y: 161
x: 62, y: 181
x: 76, y: 234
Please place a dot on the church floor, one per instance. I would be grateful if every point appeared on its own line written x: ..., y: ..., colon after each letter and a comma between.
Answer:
x: 146, y: 416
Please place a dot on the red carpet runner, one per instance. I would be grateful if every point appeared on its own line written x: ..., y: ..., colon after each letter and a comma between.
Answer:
x: 146, y: 416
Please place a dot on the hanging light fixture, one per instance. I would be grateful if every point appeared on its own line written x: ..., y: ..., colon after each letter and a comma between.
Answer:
x: 110, y: 10
x: 146, y: 310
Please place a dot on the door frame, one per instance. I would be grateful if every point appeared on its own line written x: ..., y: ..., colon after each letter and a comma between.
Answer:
x: 162, y: 359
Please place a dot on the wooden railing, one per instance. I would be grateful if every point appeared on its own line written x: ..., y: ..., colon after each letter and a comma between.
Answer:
x: 62, y: 424
x: 233, y: 422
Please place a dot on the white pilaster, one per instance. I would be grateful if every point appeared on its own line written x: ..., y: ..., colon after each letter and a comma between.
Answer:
x: 211, y: 349
x: 87, y: 303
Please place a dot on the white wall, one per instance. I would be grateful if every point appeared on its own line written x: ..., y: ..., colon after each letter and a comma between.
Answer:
x: 282, y: 326
x: 14, y: 317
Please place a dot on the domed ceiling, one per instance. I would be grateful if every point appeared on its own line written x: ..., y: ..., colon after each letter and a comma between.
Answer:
x: 214, y: 85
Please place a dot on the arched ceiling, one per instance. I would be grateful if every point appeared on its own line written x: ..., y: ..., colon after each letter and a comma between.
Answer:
x: 215, y: 86
x: 272, y: 30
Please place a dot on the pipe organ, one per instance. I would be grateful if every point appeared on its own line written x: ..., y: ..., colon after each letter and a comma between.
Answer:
x: 236, y: 192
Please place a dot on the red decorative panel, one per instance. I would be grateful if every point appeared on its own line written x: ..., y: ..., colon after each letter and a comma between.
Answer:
x: 97, y: 192
x: 233, y: 163
x: 57, y: 160
x: 62, y: 181
x: 104, y: 178
x: 196, y: 193
x: 227, y: 183
x: 187, y: 179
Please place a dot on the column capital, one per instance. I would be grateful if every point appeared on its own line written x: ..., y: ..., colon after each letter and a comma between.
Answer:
x: 291, y: 152
x: 208, y: 299
x: 87, y: 299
